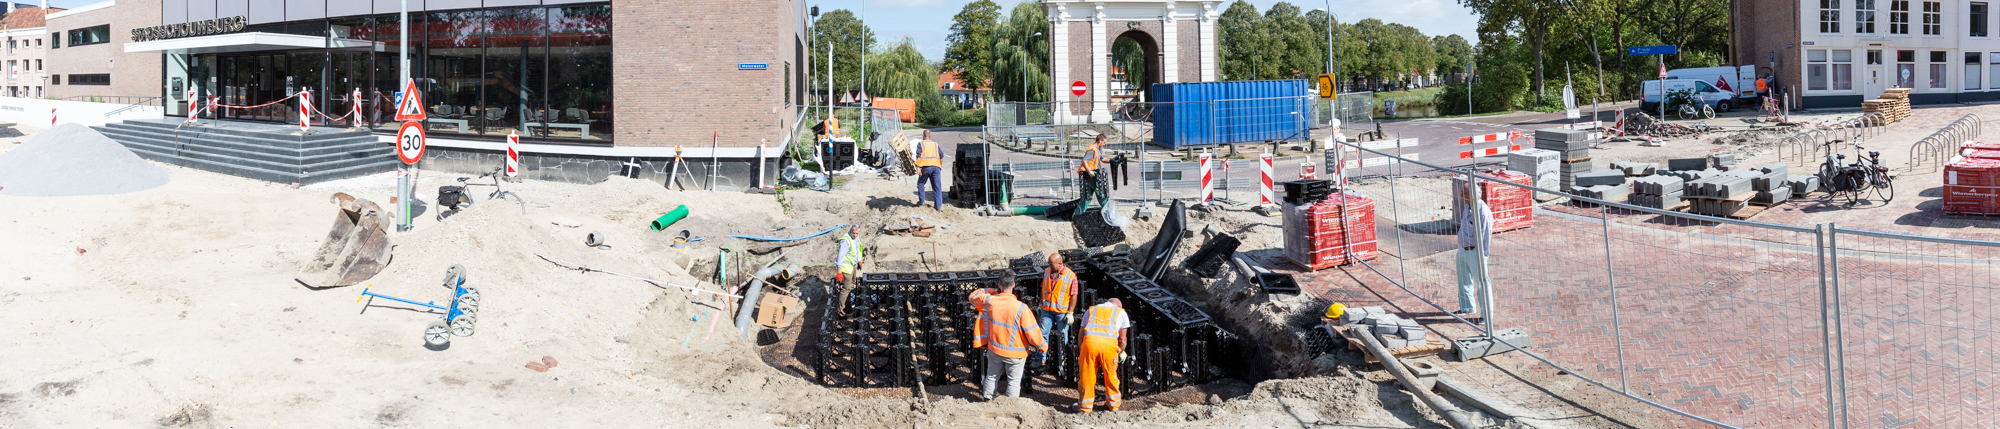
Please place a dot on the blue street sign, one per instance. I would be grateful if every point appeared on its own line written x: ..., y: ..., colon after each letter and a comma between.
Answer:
x: 1653, y: 50
x: 753, y: 66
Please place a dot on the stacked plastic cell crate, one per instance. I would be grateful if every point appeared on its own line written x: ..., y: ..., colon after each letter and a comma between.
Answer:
x: 1321, y: 235
x: 1513, y: 206
x: 1972, y: 186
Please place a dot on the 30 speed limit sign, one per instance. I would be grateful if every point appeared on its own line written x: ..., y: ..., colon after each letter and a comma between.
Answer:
x: 410, y: 142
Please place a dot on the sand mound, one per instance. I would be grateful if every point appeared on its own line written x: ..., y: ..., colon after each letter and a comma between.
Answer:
x: 71, y: 160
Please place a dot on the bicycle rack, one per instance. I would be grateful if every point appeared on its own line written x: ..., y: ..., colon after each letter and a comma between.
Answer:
x: 1798, y: 149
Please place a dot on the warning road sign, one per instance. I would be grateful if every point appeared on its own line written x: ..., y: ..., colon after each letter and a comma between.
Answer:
x: 410, y: 142
x: 410, y: 107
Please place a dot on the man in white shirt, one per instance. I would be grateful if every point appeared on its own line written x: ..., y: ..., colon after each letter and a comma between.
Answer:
x: 1104, y: 338
x: 1475, y: 233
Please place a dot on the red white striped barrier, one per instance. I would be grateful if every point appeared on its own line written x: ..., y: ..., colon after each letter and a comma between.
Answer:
x: 1491, y: 151
x: 194, y: 104
x: 1308, y: 171
x: 1266, y: 173
x: 52, y: 117
x: 305, y: 110
x: 513, y: 154
x: 1489, y: 138
x: 1207, y: 178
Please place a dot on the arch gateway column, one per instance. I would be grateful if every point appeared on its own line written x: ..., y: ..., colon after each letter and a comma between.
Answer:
x: 1178, y: 38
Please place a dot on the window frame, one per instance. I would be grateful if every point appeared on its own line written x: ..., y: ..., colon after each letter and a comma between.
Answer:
x: 1829, y: 16
x: 1978, y: 19
x: 1899, y: 17
x: 1864, y: 16
x: 1933, y: 25
x: 80, y: 33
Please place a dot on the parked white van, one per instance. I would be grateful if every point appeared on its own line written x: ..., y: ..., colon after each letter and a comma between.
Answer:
x: 1741, y: 80
x: 1721, y: 100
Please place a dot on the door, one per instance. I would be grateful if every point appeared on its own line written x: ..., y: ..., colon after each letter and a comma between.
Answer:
x: 1874, y: 82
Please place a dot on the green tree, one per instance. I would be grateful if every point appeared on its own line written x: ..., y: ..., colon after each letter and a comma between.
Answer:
x: 1532, y: 17
x: 1452, y: 53
x: 1021, y: 54
x: 1127, y: 55
x: 1294, y: 48
x: 849, y: 39
x: 1240, y: 38
x: 899, y: 71
x: 970, y: 52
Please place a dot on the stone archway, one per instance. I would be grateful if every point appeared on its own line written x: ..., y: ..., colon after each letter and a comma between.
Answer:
x: 1082, y: 33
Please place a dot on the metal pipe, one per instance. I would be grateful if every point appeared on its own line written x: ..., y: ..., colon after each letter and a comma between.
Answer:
x: 1395, y: 366
x: 1826, y: 329
x: 756, y: 289
x: 1612, y: 277
x: 1833, y: 254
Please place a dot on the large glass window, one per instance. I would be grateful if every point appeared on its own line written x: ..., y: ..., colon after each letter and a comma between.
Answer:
x: 452, y: 79
x: 1933, y: 18
x: 1829, y: 16
x: 1843, y: 70
x: 580, y: 71
x: 1864, y: 16
x: 1977, y: 16
x: 1816, y: 70
x: 90, y: 35
x: 1971, y: 70
x: 513, y: 75
x: 1937, y: 70
x: 1906, y: 69
x: 1899, y: 16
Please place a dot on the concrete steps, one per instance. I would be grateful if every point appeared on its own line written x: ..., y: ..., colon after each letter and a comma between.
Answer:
x: 257, y: 151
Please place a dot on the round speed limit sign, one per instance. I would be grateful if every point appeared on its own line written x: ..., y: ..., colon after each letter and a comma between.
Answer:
x: 410, y: 142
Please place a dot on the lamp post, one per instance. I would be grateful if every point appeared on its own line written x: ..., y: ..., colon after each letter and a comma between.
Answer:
x: 1330, y: 63
x: 1024, y: 65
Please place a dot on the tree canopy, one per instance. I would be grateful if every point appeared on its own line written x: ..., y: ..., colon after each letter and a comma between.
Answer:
x: 1021, y: 54
x: 971, y: 41
x: 842, y: 31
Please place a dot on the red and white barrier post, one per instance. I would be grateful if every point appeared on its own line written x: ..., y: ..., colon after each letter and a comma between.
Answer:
x: 357, y: 107
x: 305, y: 111
x: 194, y: 105
x: 1266, y: 172
x: 513, y: 154
x: 52, y: 117
x: 1207, y: 178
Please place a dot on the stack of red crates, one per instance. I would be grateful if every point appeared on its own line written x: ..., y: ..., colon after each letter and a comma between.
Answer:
x: 1972, y: 186
x: 1513, y: 207
x: 1319, y: 235
x: 1978, y: 146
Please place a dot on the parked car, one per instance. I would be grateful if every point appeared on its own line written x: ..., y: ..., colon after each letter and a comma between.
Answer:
x: 1739, y: 79
x: 1721, y: 100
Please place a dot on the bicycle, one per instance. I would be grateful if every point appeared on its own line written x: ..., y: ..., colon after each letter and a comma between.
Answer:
x: 455, y: 198
x: 1867, y: 173
x: 1686, y: 101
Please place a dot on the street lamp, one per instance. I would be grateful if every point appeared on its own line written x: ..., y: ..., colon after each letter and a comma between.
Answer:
x: 1024, y: 65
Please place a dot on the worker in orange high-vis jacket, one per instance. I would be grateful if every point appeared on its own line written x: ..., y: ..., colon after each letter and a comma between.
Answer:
x: 1058, y: 301
x: 930, y: 166
x: 1104, y: 339
x: 1008, y: 333
x: 1090, y: 177
x: 978, y: 296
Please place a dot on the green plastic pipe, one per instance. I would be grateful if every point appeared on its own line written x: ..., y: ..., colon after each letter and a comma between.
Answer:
x: 668, y: 219
x: 1029, y: 210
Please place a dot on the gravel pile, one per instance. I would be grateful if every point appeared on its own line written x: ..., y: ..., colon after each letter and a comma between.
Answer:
x: 71, y: 160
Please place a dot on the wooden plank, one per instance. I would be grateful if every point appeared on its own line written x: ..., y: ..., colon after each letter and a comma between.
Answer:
x: 1435, y: 344
x: 1748, y: 211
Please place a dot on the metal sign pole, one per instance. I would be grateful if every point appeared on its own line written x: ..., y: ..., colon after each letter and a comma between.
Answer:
x: 403, y: 185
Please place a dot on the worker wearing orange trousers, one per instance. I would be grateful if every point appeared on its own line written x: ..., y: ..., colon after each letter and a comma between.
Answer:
x: 1104, y: 329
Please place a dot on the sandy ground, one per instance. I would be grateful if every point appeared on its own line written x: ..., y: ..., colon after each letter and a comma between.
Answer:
x: 175, y: 306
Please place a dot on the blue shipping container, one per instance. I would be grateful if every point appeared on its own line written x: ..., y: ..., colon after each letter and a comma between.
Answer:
x: 1215, y: 113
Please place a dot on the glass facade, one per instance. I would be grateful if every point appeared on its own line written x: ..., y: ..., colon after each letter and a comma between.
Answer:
x: 541, y: 72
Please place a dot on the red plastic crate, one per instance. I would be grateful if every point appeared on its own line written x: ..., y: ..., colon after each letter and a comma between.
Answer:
x: 1972, y: 186
x: 1321, y: 235
x: 1981, y: 153
x: 1513, y: 207
x: 1978, y: 146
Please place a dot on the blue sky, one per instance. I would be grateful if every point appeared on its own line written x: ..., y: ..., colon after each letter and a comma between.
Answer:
x: 927, y: 22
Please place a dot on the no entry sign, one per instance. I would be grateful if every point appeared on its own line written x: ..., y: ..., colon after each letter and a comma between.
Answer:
x: 1078, y: 88
x: 410, y: 142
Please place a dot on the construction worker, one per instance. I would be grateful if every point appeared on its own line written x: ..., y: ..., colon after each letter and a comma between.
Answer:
x: 1090, y: 176
x: 1104, y: 339
x: 1475, y: 233
x: 930, y: 161
x: 849, y: 262
x: 1008, y: 333
x: 1058, y: 300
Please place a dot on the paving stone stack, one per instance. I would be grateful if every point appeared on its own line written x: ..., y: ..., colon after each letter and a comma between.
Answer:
x: 1723, y: 161
x: 1573, y: 152
x: 1660, y: 192
x: 1802, y: 185
x: 1687, y: 164
x: 1719, y: 195
x: 1635, y: 169
x: 1394, y: 332
x: 1771, y: 186
x: 1542, y: 166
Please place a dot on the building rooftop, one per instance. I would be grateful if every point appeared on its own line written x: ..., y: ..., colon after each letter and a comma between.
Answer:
x: 948, y: 79
x: 26, y: 17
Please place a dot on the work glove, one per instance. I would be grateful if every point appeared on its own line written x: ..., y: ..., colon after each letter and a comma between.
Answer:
x: 1069, y: 319
x: 839, y: 277
x: 1123, y: 358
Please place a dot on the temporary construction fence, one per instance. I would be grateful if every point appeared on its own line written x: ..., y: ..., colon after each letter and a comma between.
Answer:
x: 1718, y: 321
x: 1051, y: 182
x: 870, y: 128
x: 1047, y: 125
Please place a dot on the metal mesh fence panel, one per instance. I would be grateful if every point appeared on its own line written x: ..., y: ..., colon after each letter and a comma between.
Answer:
x: 1918, y: 330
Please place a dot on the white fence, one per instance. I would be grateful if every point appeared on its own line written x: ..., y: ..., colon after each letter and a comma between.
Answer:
x: 36, y: 112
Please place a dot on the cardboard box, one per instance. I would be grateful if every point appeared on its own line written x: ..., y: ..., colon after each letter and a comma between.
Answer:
x: 778, y: 311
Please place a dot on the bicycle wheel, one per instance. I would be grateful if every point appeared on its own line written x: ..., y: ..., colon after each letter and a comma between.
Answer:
x: 1853, y: 181
x: 1885, y: 187
x: 1687, y: 112
x: 1707, y: 112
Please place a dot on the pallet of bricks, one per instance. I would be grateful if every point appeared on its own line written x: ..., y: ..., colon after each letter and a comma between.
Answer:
x: 1894, y: 105
x: 1513, y: 206
x: 1322, y: 234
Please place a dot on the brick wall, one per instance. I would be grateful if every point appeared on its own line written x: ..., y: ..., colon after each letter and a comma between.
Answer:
x: 132, y: 74
x: 1079, y: 67
x: 1189, y: 45
x: 677, y: 80
x: 1763, y: 27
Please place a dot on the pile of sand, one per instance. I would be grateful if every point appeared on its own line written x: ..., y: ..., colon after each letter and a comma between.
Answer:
x: 71, y: 160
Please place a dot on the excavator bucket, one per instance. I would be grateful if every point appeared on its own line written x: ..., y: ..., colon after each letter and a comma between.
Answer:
x: 355, y: 249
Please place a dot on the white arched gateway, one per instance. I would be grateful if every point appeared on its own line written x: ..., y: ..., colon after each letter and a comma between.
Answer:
x: 1177, y: 37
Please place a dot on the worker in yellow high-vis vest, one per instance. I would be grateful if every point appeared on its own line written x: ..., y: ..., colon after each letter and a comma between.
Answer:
x: 1104, y: 339
x: 930, y: 167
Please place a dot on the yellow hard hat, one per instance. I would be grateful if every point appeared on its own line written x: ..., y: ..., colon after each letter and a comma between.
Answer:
x: 1334, y: 311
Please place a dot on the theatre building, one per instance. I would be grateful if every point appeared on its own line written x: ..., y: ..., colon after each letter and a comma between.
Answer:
x: 590, y: 88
